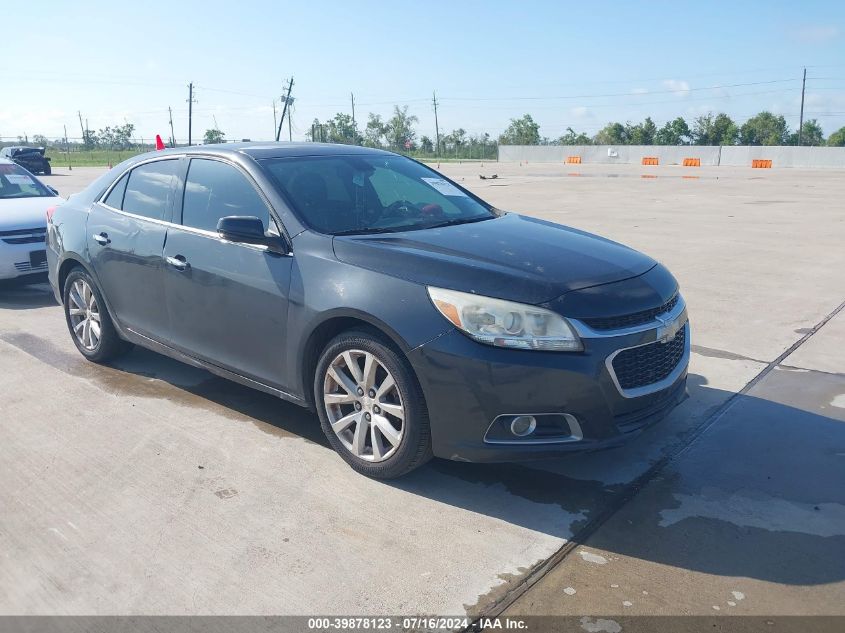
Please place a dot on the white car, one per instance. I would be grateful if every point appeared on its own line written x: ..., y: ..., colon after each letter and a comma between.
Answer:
x: 24, y: 201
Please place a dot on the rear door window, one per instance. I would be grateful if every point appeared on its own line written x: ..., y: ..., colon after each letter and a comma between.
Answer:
x: 148, y: 189
x: 115, y: 197
x: 214, y: 190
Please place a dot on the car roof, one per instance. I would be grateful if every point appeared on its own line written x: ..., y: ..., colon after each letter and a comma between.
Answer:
x: 271, y: 149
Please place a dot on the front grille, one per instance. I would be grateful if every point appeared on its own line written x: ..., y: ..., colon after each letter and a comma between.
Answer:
x: 25, y: 267
x: 31, y: 239
x: 630, y: 320
x: 648, y: 364
x: 24, y: 236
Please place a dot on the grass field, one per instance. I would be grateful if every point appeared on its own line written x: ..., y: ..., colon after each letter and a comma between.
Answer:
x: 93, y: 158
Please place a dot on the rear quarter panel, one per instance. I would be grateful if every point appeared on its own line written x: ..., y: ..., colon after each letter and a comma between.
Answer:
x: 66, y: 241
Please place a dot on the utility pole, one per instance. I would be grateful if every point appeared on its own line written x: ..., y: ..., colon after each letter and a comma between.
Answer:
x: 290, y: 132
x: 436, y: 124
x: 84, y: 139
x: 285, y: 109
x: 801, y: 119
x: 190, y: 109
x: 67, y: 151
x: 172, y: 133
x: 352, y: 94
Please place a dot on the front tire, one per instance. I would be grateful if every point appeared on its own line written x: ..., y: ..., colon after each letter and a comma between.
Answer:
x: 88, y: 320
x: 371, y: 407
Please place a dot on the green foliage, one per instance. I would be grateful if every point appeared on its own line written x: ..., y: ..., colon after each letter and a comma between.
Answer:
x: 89, y: 140
x: 213, y: 136
x: 375, y: 131
x: 613, y: 134
x: 341, y: 129
x: 523, y: 131
x: 718, y: 130
x: 837, y: 139
x: 812, y: 134
x: 426, y: 144
x: 571, y: 137
x: 764, y: 129
x: 117, y: 138
x: 675, y: 132
x: 642, y: 133
x: 399, y: 132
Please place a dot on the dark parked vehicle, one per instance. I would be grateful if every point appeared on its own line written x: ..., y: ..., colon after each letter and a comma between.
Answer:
x: 30, y: 158
x: 414, y: 317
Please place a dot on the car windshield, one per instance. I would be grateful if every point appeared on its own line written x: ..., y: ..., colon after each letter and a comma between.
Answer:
x: 372, y: 194
x: 16, y: 182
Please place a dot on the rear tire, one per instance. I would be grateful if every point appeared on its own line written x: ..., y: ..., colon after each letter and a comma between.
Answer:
x: 88, y: 319
x: 47, y: 169
x: 371, y: 407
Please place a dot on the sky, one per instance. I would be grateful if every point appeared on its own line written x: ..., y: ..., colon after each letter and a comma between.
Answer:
x: 568, y: 64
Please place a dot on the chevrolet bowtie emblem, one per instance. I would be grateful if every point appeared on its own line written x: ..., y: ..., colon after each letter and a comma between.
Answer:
x: 669, y: 328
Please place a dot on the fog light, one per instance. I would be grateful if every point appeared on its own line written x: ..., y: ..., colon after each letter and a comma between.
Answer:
x: 523, y: 425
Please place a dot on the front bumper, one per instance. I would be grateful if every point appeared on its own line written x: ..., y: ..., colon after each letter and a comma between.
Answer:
x: 15, y: 260
x: 467, y: 385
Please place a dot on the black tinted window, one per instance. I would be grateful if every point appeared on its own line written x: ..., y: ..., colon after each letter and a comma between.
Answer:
x: 115, y: 197
x: 148, y: 188
x: 214, y: 190
x: 341, y: 194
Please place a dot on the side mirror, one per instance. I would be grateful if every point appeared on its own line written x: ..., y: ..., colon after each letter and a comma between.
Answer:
x: 248, y: 229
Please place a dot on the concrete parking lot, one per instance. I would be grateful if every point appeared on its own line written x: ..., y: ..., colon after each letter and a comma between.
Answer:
x: 149, y: 487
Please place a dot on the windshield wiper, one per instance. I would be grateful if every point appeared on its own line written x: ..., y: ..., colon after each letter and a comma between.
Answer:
x: 459, y: 221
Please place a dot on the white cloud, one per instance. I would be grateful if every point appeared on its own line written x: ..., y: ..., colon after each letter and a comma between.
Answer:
x: 639, y: 91
x: 581, y: 112
x: 679, y: 87
x: 816, y: 33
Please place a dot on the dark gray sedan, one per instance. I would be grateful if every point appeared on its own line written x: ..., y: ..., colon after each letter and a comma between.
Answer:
x: 414, y: 317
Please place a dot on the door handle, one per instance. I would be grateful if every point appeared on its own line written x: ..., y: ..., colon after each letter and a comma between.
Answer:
x: 178, y: 262
x: 102, y: 238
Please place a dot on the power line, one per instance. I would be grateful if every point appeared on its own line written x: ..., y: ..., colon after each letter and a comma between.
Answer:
x: 618, y: 94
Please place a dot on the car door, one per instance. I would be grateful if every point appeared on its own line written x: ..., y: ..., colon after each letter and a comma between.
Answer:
x: 228, y: 302
x: 126, y: 234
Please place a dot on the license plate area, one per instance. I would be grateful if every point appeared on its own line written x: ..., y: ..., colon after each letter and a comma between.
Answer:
x: 38, y: 259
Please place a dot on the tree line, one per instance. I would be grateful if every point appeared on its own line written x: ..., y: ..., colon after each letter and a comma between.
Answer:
x: 764, y: 128
x: 398, y: 134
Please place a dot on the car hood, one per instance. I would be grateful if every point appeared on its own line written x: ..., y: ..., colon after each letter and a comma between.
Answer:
x: 512, y: 257
x: 25, y: 213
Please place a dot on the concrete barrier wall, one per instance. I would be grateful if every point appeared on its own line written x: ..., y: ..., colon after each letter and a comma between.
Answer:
x: 811, y: 157
x: 739, y: 156
x: 609, y: 154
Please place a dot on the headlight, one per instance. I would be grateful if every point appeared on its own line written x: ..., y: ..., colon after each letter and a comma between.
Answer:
x: 505, y: 323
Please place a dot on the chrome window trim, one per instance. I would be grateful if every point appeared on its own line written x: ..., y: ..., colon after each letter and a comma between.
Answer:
x: 585, y: 331
x: 660, y: 384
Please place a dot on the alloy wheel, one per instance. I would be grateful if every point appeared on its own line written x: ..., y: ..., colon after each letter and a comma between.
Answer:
x: 84, y: 313
x: 364, y: 405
